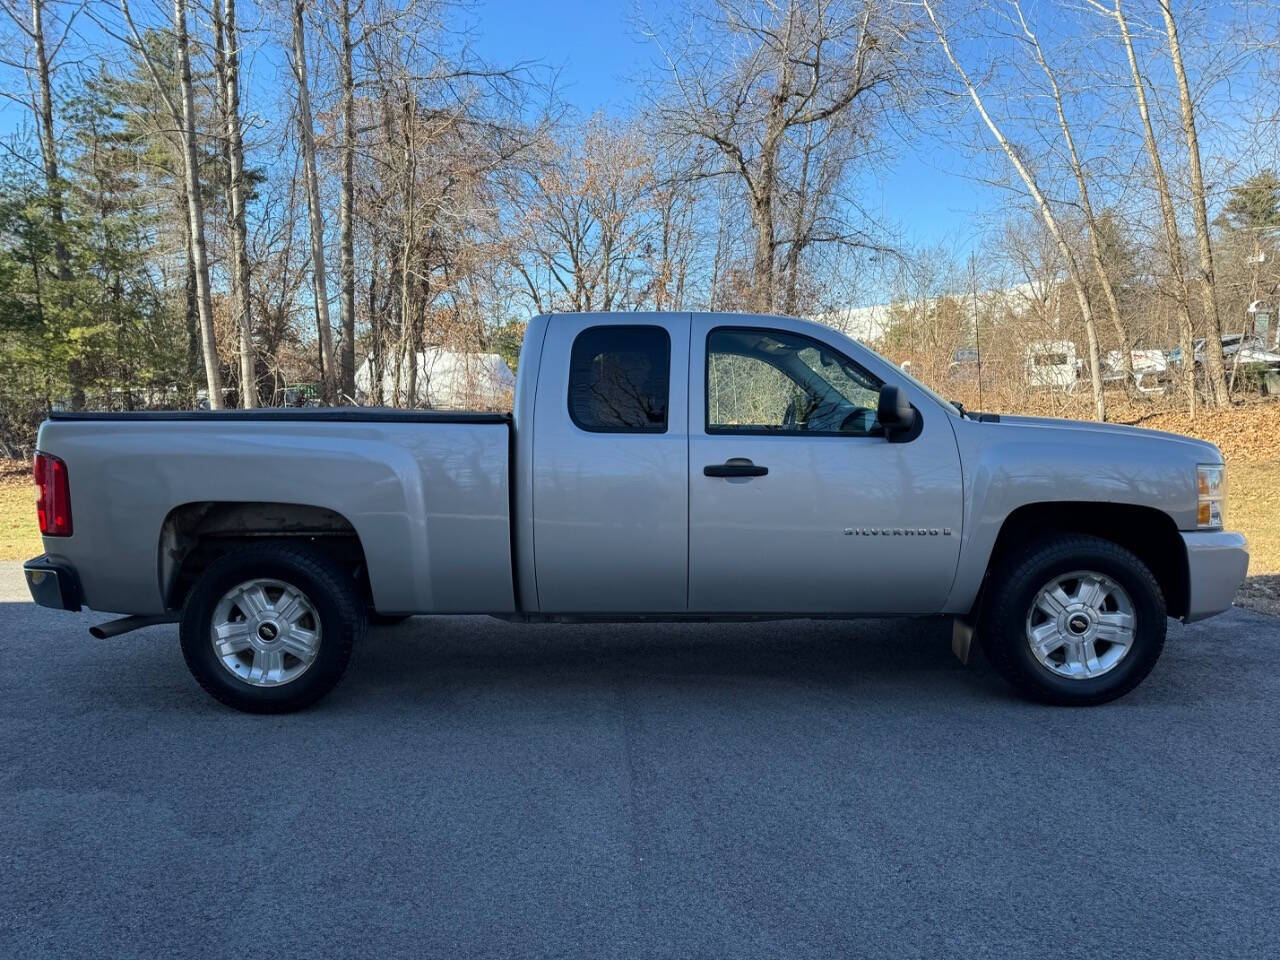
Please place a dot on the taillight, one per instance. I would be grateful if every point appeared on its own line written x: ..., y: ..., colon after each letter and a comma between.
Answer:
x: 53, y: 500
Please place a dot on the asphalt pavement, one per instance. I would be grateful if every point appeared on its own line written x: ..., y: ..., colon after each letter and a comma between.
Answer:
x: 789, y: 790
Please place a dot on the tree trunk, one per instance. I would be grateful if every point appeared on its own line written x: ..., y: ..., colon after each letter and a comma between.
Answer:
x: 762, y: 193
x: 406, y: 344
x: 798, y: 228
x: 376, y: 365
x: 1173, y: 243
x: 53, y: 184
x: 195, y: 210
x: 1086, y: 206
x: 762, y: 261
x: 227, y: 60
x: 306, y: 135
x: 1046, y: 215
x: 346, y: 211
x: 190, y: 299
x: 1216, y: 378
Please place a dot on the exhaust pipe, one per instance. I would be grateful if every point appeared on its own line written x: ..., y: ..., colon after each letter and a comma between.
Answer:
x: 114, y: 628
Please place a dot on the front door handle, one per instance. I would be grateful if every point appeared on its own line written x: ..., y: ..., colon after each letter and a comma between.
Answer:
x: 734, y: 467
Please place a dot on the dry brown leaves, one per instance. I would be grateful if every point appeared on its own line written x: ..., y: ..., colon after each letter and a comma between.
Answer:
x: 15, y: 471
x: 1247, y: 432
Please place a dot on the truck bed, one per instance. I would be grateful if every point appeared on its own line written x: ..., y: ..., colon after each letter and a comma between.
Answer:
x: 427, y: 494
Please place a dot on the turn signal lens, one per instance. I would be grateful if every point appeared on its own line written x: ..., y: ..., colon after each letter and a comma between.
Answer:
x: 53, y: 496
x: 1211, y: 487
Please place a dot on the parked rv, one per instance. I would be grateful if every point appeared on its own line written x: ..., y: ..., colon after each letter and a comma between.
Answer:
x: 1052, y: 364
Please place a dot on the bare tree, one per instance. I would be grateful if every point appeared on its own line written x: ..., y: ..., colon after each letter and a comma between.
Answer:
x: 774, y: 72
x: 307, y: 141
x: 1168, y: 216
x: 346, y: 207
x: 589, y: 216
x: 227, y: 64
x: 406, y: 347
x: 674, y: 199
x: 1043, y: 207
x: 1086, y: 203
x: 184, y: 121
x: 1216, y: 377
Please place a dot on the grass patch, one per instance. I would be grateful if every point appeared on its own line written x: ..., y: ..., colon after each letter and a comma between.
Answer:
x: 1253, y: 508
x: 19, y: 535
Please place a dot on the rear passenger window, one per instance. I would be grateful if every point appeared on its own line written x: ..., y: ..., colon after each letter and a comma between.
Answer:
x: 619, y: 378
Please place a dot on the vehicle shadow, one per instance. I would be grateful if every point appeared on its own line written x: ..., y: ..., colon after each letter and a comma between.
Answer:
x: 450, y: 659
x: 427, y: 657
x: 427, y: 652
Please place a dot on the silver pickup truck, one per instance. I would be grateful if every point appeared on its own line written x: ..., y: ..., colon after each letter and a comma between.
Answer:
x: 657, y: 466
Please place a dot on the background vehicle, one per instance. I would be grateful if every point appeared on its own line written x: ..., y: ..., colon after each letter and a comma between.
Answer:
x: 1052, y: 364
x: 1244, y: 355
x: 1150, y: 370
x: 657, y: 466
x: 966, y: 362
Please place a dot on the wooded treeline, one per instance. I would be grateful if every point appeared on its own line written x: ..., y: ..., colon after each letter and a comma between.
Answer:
x: 221, y: 200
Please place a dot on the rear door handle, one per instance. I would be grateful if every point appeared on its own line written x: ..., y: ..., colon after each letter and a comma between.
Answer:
x: 734, y: 467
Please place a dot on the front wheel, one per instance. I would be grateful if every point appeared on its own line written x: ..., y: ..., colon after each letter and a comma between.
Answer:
x: 1073, y: 620
x: 269, y: 629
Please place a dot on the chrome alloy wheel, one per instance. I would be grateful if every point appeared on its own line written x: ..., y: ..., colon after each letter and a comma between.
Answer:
x: 265, y: 632
x: 1081, y: 625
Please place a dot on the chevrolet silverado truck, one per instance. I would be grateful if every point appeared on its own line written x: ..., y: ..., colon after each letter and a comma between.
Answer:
x: 661, y: 466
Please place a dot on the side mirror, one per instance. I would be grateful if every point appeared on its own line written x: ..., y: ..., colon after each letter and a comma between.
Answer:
x: 896, y: 414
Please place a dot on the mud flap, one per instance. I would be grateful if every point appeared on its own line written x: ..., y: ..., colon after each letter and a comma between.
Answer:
x: 962, y: 639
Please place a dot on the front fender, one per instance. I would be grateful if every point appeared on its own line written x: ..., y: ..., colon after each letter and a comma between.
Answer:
x: 1008, y: 465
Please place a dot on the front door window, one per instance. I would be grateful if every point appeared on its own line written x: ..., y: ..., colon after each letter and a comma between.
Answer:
x: 771, y: 381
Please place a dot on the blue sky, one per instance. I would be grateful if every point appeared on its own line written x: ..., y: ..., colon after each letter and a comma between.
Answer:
x: 921, y: 198
x: 924, y: 193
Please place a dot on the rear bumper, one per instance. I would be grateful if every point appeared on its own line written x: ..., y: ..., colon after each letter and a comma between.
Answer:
x: 1216, y: 566
x: 53, y: 584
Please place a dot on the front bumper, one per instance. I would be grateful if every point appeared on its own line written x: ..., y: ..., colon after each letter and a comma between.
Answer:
x: 1216, y: 566
x: 53, y: 584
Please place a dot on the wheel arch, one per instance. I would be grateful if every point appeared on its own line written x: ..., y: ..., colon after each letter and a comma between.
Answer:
x: 197, y: 533
x: 1145, y: 531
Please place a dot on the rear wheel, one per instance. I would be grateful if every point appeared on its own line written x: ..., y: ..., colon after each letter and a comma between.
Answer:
x: 269, y: 628
x: 1073, y: 620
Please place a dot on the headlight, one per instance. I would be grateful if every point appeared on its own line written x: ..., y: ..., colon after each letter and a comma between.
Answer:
x: 1211, y: 483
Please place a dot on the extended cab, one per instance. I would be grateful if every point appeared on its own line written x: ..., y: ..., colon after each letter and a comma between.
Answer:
x: 657, y: 466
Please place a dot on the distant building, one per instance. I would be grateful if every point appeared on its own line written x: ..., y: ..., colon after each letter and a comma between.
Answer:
x: 870, y: 324
x: 446, y: 380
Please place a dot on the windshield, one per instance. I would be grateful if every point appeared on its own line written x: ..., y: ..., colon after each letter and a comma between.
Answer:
x: 943, y: 401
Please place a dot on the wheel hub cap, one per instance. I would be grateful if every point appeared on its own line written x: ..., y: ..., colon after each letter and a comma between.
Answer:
x: 265, y: 632
x: 1081, y: 625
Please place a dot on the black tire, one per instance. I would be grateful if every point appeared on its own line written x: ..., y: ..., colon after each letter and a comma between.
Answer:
x: 332, y: 592
x: 1011, y: 590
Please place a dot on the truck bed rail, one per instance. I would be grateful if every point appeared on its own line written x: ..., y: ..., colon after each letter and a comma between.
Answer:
x: 318, y: 414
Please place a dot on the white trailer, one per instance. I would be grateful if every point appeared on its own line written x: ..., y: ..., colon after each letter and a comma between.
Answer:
x: 1051, y: 364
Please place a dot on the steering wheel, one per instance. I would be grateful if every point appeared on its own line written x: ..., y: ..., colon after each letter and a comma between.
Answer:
x: 859, y: 421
